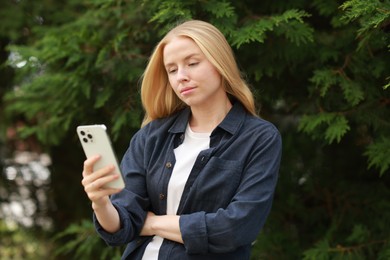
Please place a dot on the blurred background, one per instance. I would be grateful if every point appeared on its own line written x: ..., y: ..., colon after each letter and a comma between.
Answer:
x: 320, y: 71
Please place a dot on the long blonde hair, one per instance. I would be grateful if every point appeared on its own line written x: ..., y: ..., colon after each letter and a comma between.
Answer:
x: 158, y: 98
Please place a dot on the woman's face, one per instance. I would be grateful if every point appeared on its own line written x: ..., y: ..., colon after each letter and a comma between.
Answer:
x: 193, y: 78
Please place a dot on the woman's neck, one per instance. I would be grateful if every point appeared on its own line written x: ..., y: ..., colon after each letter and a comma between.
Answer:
x: 205, y: 119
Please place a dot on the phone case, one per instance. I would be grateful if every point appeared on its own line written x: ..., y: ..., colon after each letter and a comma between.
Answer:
x: 94, y: 140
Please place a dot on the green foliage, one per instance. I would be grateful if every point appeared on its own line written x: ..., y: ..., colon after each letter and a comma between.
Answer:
x: 323, y: 250
x: 318, y: 69
x: 342, y: 217
x: 325, y: 79
x: 356, y: 78
x: 290, y: 24
x: 371, y: 15
x: 82, y: 242
x: 21, y: 243
x: 165, y: 11
x: 79, y: 62
x: 336, y: 126
x: 220, y: 9
x: 378, y: 154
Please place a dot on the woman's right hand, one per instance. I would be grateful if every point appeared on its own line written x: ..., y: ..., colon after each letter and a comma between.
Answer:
x: 94, y: 181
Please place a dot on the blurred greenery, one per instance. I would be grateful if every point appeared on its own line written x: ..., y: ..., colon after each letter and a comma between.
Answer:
x: 320, y: 71
x: 18, y: 243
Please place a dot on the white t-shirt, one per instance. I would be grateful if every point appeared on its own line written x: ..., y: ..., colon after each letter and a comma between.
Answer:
x: 186, y: 155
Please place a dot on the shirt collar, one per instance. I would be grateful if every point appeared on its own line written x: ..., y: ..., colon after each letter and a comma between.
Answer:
x: 234, y: 119
x: 231, y: 123
x: 180, y: 124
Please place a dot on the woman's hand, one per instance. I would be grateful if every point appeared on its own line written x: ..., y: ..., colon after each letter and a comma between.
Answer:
x: 93, y: 183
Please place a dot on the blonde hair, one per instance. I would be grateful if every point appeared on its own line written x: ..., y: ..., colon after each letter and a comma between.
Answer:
x: 158, y: 98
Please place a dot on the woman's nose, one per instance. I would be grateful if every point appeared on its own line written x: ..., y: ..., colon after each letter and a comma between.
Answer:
x: 182, y: 75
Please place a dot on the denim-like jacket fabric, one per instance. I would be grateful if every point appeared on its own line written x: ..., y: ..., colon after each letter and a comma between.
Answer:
x: 226, y: 199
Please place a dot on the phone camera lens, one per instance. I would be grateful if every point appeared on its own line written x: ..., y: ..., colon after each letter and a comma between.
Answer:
x: 82, y: 132
x: 85, y: 140
x: 89, y: 136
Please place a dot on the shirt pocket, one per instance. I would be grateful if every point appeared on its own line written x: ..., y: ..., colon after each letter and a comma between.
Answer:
x: 217, y: 184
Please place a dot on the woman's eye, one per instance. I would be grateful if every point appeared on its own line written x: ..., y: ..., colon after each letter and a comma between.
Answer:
x: 193, y: 64
x: 170, y: 71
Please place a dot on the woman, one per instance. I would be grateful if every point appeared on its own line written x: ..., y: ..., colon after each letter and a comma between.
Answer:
x: 201, y: 172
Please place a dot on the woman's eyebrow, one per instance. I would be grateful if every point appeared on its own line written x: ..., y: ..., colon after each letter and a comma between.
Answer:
x: 189, y: 56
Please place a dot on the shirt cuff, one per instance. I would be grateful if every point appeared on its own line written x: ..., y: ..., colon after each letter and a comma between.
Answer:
x: 118, y: 238
x: 194, y: 232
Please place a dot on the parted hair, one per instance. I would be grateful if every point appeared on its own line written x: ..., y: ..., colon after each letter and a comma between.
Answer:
x: 158, y: 98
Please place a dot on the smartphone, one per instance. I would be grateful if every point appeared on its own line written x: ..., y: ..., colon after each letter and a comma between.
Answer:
x: 95, y: 141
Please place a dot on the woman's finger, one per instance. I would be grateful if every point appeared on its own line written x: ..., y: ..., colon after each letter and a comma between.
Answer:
x: 98, y: 180
x: 98, y: 194
x: 88, y: 165
x: 92, y: 177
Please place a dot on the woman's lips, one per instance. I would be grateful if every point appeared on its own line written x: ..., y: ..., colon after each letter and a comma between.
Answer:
x: 186, y: 90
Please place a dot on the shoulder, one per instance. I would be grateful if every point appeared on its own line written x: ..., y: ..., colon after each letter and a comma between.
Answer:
x: 240, y: 122
x: 260, y: 124
x: 260, y: 128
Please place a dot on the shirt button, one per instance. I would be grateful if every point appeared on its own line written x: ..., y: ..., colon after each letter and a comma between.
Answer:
x: 168, y: 165
x: 162, y: 196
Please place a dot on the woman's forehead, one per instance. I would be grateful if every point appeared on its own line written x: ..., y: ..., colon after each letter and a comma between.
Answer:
x: 180, y: 48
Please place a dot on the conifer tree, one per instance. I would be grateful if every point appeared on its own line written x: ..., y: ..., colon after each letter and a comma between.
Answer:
x: 320, y: 71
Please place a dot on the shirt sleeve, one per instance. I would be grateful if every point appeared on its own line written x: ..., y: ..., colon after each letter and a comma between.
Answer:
x: 132, y: 202
x: 240, y: 222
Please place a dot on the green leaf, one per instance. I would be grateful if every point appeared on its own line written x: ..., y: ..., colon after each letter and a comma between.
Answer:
x: 325, y: 7
x: 290, y: 23
x: 102, y: 97
x: 169, y: 10
x: 337, y: 128
x: 103, y: 55
x: 359, y: 234
x: 384, y: 254
x: 378, y: 154
x: 323, y: 80
x: 309, y: 123
x: 253, y: 32
x: 219, y: 8
x: 120, y: 120
x: 319, y: 252
x: 298, y: 33
x: 352, y: 91
x: 388, y: 84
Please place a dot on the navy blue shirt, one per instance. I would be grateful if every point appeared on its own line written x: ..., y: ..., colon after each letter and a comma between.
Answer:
x: 227, y: 196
